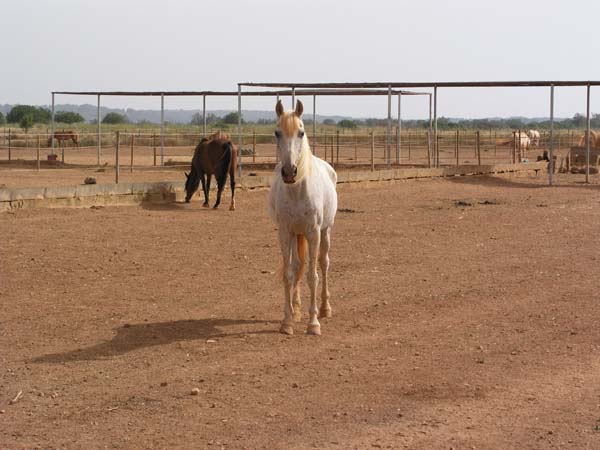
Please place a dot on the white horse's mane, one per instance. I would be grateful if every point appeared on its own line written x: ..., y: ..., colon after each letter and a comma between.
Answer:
x: 290, y: 124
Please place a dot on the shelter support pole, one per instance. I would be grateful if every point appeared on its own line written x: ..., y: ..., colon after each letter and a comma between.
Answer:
x: 52, y: 131
x: 429, y: 131
x: 162, y: 129
x: 388, y: 143
x: 314, y: 124
x: 204, y: 116
x: 587, y: 137
x: 436, y: 148
x: 399, y: 140
x: 293, y: 98
x: 239, y: 131
x: 99, y: 149
x: 551, y: 152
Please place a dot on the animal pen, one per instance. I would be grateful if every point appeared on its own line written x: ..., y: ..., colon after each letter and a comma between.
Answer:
x: 414, y: 147
x: 435, y: 86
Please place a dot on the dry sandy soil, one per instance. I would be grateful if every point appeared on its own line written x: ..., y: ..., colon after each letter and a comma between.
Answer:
x: 465, y: 317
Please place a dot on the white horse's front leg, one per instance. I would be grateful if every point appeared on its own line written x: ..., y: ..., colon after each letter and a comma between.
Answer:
x: 325, y: 310
x: 285, y: 242
x: 314, y: 239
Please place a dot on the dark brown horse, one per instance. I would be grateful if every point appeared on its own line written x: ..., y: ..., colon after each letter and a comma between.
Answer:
x: 212, y: 157
x: 64, y: 136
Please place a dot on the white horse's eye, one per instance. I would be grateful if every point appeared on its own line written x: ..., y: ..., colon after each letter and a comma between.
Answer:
x: 277, y: 134
x: 301, y: 134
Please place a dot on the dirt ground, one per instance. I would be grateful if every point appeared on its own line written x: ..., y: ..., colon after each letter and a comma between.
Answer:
x: 465, y: 317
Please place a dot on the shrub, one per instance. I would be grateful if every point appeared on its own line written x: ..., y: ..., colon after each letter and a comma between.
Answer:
x: 68, y: 117
x: 113, y: 118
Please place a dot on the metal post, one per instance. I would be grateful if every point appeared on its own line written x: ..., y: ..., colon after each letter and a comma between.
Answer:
x: 429, y: 131
x: 253, y: 146
x: 204, y: 115
x: 372, y: 151
x: 99, y: 149
x: 154, y: 146
x: 131, y: 161
x: 388, y: 143
x: 436, y: 150
x: 337, y: 144
x: 456, y: 148
x: 551, y: 153
x: 587, y: 138
x: 38, y: 153
x: 293, y: 98
x: 315, y: 125
x: 478, y: 147
x: 9, y: 145
x: 162, y: 129
x: 52, y: 132
x: 117, y: 157
x: 398, y: 141
x: 239, y: 131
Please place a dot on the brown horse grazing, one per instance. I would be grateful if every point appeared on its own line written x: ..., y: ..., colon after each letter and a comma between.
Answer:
x: 594, y: 139
x: 212, y: 157
x: 64, y: 136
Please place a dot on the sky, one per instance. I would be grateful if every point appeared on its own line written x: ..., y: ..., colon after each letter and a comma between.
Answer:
x: 54, y: 45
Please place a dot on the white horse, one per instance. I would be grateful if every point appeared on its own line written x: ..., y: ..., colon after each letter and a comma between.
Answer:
x: 523, y: 140
x: 303, y: 203
x: 534, y: 137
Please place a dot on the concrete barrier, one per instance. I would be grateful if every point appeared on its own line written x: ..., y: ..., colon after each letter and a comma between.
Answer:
x: 83, y: 196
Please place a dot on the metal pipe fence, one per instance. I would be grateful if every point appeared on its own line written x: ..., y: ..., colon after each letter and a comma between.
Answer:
x: 342, y: 148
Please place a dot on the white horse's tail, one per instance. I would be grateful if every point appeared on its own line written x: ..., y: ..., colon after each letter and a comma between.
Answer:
x: 302, y: 244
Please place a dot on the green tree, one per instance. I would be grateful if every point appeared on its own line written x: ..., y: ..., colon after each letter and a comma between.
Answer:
x: 347, y: 123
x: 2, y: 119
x: 68, y: 117
x: 113, y: 118
x: 26, y: 122
x: 40, y: 115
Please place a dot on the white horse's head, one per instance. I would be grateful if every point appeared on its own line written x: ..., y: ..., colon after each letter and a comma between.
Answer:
x: 292, y: 143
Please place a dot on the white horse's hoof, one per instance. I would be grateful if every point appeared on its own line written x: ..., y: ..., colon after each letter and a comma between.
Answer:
x: 286, y: 328
x: 314, y: 330
x: 324, y: 312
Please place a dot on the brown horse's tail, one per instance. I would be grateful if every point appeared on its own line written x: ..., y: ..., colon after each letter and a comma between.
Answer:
x: 302, y: 256
x: 225, y: 163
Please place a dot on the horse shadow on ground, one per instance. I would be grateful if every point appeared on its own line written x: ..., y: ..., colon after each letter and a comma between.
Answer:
x: 494, y: 181
x: 137, y: 336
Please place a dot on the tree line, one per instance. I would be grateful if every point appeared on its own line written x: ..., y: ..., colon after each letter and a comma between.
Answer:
x: 26, y: 116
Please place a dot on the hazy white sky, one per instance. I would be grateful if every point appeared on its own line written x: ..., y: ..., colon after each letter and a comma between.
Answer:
x: 211, y: 45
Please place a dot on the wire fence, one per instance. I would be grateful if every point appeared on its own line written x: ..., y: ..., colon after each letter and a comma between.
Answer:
x: 415, y: 147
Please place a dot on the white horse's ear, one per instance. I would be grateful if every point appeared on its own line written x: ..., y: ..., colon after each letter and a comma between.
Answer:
x: 299, y: 108
x: 279, y: 108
